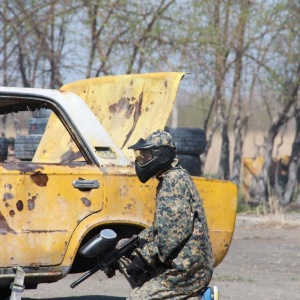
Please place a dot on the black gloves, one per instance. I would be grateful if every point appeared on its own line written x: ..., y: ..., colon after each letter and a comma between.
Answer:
x: 137, y: 267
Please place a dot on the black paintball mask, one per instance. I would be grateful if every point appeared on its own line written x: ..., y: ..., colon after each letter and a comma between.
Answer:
x: 154, y: 154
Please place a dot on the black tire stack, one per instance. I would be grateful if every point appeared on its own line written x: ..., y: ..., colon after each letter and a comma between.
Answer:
x: 3, y: 148
x: 26, y: 145
x: 190, y: 143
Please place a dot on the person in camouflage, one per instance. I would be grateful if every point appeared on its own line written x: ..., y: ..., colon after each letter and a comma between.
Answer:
x: 174, y: 259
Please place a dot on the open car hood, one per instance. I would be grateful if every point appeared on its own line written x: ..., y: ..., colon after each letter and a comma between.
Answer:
x: 131, y: 106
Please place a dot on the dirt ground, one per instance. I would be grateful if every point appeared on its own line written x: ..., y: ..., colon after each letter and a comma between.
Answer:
x: 263, y: 263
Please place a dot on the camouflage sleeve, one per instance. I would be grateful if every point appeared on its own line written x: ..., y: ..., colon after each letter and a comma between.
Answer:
x: 173, y: 222
x: 147, y: 234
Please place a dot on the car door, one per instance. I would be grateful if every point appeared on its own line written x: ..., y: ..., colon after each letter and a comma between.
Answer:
x: 43, y: 202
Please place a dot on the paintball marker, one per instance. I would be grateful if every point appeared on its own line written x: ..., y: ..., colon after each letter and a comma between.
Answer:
x: 101, y: 243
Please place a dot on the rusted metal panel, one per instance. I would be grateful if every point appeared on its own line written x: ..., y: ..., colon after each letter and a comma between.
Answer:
x: 40, y: 210
x: 129, y: 200
x: 129, y: 106
x: 220, y: 204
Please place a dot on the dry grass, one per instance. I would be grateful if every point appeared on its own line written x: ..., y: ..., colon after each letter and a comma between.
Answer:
x: 271, y: 214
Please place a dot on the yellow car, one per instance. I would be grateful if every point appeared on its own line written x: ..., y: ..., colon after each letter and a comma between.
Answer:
x: 81, y: 178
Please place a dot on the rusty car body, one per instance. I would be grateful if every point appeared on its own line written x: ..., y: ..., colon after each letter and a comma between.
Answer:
x: 82, y: 178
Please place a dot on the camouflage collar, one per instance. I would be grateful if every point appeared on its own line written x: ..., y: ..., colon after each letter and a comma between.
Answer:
x: 175, y: 165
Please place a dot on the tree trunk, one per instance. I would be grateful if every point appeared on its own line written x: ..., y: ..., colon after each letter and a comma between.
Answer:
x: 224, y: 170
x: 221, y: 55
x: 281, y: 119
x: 298, y: 183
x: 236, y: 95
x: 294, y: 162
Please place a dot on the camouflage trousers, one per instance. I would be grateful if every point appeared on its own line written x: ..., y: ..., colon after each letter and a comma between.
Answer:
x: 147, y: 287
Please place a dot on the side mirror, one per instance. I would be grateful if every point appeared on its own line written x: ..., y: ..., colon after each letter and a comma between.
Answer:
x: 99, y: 244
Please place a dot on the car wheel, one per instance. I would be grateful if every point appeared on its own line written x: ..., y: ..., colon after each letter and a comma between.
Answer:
x: 26, y: 145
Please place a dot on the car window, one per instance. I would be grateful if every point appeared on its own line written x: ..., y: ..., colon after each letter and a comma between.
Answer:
x: 22, y: 132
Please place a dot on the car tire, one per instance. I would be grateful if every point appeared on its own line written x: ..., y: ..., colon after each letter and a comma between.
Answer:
x: 26, y: 145
x: 3, y: 148
x: 188, y: 140
x: 191, y: 163
x: 41, y: 113
x: 37, y: 125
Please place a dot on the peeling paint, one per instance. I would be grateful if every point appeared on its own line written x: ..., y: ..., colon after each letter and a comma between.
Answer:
x: 31, y: 203
x: 69, y: 156
x: 43, y: 231
x: 137, y: 113
x: 22, y: 167
x: 7, y: 196
x: 86, y: 201
x: 8, y: 186
x: 4, y: 227
x: 39, y: 179
x: 128, y: 206
x: 122, y: 105
x: 123, y: 191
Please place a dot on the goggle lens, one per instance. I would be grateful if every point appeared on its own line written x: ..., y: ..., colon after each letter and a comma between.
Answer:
x: 143, y: 156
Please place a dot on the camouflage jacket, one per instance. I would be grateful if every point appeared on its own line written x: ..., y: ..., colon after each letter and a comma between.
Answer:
x: 177, y: 245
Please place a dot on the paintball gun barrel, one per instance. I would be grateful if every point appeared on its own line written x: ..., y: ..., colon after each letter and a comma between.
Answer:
x: 99, y: 244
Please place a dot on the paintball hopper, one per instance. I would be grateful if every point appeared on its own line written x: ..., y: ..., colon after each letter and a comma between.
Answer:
x: 99, y: 244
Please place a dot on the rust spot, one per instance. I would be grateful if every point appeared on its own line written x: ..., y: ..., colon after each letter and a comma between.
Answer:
x: 39, y: 178
x: 137, y: 113
x: 7, y: 196
x: 23, y: 167
x: 12, y: 213
x: 20, y: 205
x: 128, y: 206
x: 166, y: 83
x: 8, y: 186
x: 4, y: 227
x: 44, y: 231
x: 146, y: 109
x: 86, y: 201
x: 123, y: 191
x: 131, y: 83
x: 122, y: 105
x: 31, y: 203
